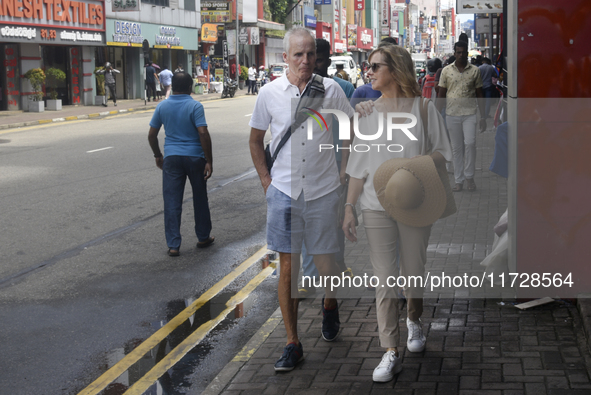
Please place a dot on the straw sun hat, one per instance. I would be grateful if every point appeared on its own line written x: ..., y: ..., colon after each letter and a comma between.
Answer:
x: 410, y: 190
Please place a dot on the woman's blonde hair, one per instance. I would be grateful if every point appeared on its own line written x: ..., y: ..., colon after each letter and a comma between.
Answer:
x: 401, y: 66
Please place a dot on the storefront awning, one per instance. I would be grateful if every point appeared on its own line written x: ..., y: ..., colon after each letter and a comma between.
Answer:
x: 263, y: 24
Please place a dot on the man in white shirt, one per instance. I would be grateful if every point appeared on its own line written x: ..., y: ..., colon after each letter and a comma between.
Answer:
x: 252, y: 79
x: 301, y: 190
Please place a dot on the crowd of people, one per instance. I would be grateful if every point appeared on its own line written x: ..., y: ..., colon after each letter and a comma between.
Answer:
x: 312, y: 194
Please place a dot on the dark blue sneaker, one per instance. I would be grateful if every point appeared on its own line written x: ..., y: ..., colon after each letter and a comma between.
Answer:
x: 292, y: 354
x: 330, y: 323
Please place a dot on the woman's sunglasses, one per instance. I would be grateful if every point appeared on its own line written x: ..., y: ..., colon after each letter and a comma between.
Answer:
x: 375, y: 66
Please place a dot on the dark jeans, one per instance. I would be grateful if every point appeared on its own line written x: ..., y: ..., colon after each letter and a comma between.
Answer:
x: 175, y: 171
x: 151, y: 88
x: 252, y: 86
x: 489, y: 94
x: 111, y: 90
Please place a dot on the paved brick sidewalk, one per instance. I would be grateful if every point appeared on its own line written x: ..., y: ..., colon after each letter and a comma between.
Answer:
x: 16, y: 119
x: 474, y: 345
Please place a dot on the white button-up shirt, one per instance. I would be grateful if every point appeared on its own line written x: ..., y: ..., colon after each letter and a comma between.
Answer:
x: 300, y: 166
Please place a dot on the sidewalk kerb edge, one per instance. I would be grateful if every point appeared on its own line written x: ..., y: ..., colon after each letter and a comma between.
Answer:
x: 232, y: 368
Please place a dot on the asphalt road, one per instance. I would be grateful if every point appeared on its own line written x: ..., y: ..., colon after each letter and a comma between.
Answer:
x: 84, y: 272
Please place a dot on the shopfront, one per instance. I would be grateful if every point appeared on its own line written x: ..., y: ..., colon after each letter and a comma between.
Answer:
x: 64, y: 37
x: 169, y: 46
x: 359, y: 42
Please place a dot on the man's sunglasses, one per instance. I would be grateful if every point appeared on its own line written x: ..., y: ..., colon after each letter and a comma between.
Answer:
x: 375, y: 66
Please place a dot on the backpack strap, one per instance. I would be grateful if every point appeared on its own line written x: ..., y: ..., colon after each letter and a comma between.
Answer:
x: 314, y: 90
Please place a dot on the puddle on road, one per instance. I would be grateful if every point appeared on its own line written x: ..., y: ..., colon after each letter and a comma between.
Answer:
x: 176, y: 378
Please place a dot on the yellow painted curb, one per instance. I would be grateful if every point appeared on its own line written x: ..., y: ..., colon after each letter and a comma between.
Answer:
x: 72, y: 118
x: 45, y: 121
x: 195, y: 338
x: 114, y: 112
x: 120, y: 367
x: 94, y: 115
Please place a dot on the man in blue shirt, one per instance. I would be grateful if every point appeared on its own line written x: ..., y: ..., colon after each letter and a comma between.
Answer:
x: 365, y: 92
x: 165, y: 81
x: 187, y: 153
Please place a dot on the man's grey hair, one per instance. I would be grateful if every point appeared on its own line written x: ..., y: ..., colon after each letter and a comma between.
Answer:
x: 296, y: 31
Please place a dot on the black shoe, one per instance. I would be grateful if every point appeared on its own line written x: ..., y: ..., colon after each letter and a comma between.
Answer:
x: 330, y: 323
x: 292, y: 354
x: 104, y: 105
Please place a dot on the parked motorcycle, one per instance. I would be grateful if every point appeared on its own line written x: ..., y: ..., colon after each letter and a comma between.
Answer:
x: 230, y: 87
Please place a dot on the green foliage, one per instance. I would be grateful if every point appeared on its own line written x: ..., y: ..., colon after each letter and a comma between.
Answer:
x: 275, y: 33
x: 243, y: 73
x: 278, y: 9
x: 54, y: 76
x: 100, y: 82
x: 36, y: 78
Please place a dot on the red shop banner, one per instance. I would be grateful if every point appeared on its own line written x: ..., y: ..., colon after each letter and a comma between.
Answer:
x: 359, y: 5
x: 364, y: 38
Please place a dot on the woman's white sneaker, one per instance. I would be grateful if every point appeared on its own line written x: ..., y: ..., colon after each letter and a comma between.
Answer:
x: 416, y: 339
x: 391, y: 365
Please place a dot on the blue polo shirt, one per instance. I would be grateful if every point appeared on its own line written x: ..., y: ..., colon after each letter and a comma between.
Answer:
x: 181, y: 116
x: 363, y: 93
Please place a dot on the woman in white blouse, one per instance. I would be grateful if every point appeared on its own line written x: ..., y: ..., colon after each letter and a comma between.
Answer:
x: 392, y: 73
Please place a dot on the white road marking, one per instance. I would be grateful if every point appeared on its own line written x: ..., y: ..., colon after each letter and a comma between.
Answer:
x: 248, y: 115
x: 96, y: 150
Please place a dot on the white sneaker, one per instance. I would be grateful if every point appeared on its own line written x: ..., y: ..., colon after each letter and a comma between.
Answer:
x: 390, y: 366
x: 416, y: 339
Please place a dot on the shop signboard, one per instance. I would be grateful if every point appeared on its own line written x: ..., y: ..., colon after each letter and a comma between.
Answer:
x: 128, y: 34
x: 11, y: 92
x: 132, y: 34
x: 48, y: 35
x: 125, y: 5
x: 215, y: 11
x: 209, y: 33
x: 359, y: 5
x: 73, y: 15
x: 478, y: 7
x: 340, y: 46
x: 253, y: 36
x: 75, y: 75
x: 309, y: 21
x: 385, y: 13
x: 482, y: 25
x: 344, y: 24
x: 352, y: 36
x: 326, y: 36
x: 364, y: 38
x: 243, y: 36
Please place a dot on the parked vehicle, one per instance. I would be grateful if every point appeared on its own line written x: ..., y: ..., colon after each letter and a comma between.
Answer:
x: 277, y: 70
x: 230, y: 87
x: 420, y: 61
x: 349, y: 66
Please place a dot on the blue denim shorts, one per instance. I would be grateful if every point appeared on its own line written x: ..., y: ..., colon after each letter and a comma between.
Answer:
x: 290, y: 222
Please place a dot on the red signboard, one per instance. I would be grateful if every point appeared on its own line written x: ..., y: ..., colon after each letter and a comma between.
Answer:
x: 359, y: 5
x: 364, y: 38
x: 75, y: 75
x: 11, y: 92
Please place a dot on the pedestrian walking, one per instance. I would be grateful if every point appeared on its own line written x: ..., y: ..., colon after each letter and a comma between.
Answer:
x: 252, y: 79
x: 428, y: 86
x: 187, y: 154
x: 487, y: 73
x: 179, y: 68
x: 301, y: 187
x: 165, y: 81
x: 308, y: 268
x: 461, y: 84
x: 341, y: 73
x: 151, y: 78
x: 400, y: 194
x: 110, y: 83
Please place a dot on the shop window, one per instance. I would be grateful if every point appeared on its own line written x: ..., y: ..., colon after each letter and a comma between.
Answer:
x: 190, y: 5
x: 162, y: 3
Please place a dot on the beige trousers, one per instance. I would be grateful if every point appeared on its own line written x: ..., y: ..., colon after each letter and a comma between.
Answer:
x: 382, y: 235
